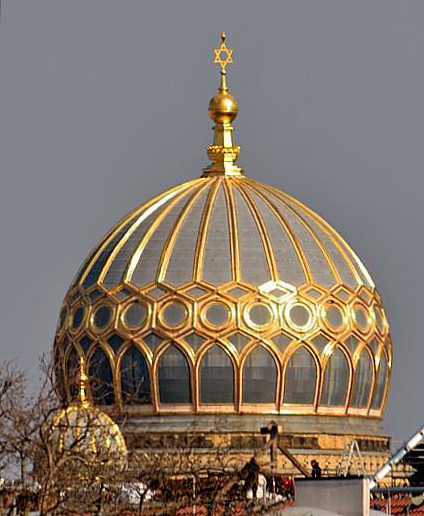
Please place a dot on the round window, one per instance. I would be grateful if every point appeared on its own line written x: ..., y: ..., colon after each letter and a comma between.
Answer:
x: 174, y: 314
x: 260, y: 314
x: 217, y: 314
x: 333, y: 316
x: 135, y: 315
x: 78, y: 317
x: 102, y: 316
x: 300, y: 316
x: 361, y: 318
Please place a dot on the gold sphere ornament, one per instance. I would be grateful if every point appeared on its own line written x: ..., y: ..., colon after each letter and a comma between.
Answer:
x: 223, y: 108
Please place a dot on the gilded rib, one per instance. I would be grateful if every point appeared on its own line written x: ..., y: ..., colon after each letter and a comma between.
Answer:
x: 173, y: 235
x: 138, y: 252
x: 324, y: 251
x: 199, y: 256
x: 233, y: 230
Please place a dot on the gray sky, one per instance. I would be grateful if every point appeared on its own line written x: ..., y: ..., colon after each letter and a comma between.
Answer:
x: 103, y: 103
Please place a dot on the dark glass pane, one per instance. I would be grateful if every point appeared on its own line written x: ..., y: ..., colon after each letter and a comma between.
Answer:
x: 380, y: 383
x: 101, y: 378
x: 174, y: 377
x: 300, y: 378
x: 336, y: 380
x: 362, y: 381
x: 216, y: 377
x: 259, y: 377
x: 115, y: 342
x: 85, y: 343
x: 72, y: 371
x: 135, y: 378
x: 98, y: 265
x: 102, y: 316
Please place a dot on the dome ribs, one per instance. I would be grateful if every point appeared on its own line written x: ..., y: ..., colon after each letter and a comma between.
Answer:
x: 336, y: 239
x: 233, y: 228
x: 217, y: 264
x: 199, y: 256
x: 263, y: 232
x: 111, y: 275
x: 287, y: 231
x: 311, y: 232
x: 175, y: 232
x: 254, y: 264
x: 132, y: 265
x: 117, y: 229
x: 353, y: 258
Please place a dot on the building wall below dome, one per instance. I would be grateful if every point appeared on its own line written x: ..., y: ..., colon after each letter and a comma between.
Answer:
x: 238, y: 438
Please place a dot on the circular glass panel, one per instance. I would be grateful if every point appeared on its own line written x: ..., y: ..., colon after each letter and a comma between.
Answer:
x: 379, y: 319
x: 135, y: 315
x: 300, y: 316
x: 102, y: 316
x: 260, y: 314
x: 217, y: 314
x: 361, y: 318
x: 333, y: 316
x: 78, y: 317
x: 174, y: 314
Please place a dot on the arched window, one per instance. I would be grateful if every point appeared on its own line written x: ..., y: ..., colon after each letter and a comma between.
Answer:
x: 134, y: 377
x: 362, y: 381
x: 336, y: 380
x: 300, y: 378
x: 259, y: 377
x: 216, y: 377
x: 380, y: 383
x: 72, y: 373
x: 174, y: 377
x: 101, y: 378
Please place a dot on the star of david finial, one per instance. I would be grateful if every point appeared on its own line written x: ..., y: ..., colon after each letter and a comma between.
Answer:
x: 223, y: 54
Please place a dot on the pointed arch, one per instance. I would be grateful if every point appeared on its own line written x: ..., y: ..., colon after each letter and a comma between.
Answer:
x: 380, y: 383
x: 336, y: 380
x: 300, y: 378
x: 362, y: 381
x: 101, y: 377
x: 216, y: 377
x: 135, y: 377
x: 173, y: 373
x: 259, y: 377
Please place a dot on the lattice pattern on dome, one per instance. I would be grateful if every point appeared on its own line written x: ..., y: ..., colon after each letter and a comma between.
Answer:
x: 237, y: 263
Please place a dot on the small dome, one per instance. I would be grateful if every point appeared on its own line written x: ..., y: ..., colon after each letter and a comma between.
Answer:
x: 85, y: 430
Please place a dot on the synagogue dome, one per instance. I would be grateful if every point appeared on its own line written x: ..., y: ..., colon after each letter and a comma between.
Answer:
x: 226, y: 295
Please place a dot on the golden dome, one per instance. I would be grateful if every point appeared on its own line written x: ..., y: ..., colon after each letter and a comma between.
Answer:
x: 82, y: 429
x: 226, y: 295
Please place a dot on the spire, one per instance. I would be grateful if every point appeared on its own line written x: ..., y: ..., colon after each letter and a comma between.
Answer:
x: 223, y: 110
x: 82, y: 385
